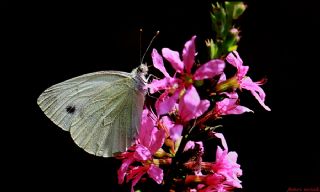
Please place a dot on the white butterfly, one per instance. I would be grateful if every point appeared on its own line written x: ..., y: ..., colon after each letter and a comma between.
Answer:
x: 101, y: 110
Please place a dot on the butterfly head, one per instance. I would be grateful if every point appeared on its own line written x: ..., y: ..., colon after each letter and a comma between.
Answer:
x: 142, y: 69
x: 141, y: 72
x: 139, y: 75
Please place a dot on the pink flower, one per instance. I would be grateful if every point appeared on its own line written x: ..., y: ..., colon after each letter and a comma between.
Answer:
x: 226, y: 165
x: 209, y: 183
x: 137, y: 172
x: 230, y: 105
x: 149, y: 135
x: 171, y: 129
x: 181, y: 85
x: 224, y: 171
x: 198, y: 150
x: 214, y: 183
x: 150, y: 139
x: 246, y: 82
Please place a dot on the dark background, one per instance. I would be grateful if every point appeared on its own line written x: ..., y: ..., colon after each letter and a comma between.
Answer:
x: 51, y: 41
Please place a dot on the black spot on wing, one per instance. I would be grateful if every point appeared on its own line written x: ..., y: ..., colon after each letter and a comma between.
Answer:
x: 71, y: 109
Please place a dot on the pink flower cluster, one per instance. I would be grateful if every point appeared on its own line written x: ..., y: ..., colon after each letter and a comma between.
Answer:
x: 221, y: 175
x: 181, y: 113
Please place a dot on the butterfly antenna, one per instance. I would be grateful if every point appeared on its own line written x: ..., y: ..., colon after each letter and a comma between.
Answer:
x: 140, y: 34
x: 157, y: 33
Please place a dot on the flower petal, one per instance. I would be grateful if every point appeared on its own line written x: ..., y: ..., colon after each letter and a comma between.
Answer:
x: 158, y: 137
x: 219, y: 154
x: 157, y: 85
x: 227, y: 166
x: 155, y: 173
x: 202, y: 107
x: 223, y: 140
x: 164, y: 104
x: 237, y: 110
x: 256, y: 91
x: 233, y: 156
x: 146, y: 128
x: 223, y: 77
x: 188, y: 54
x: 234, y: 59
x: 166, y: 121
x: 242, y: 71
x: 210, y: 69
x: 175, y: 132
x: 214, y: 180
x: 189, y: 103
x: 234, y: 182
x: 191, y: 107
x: 189, y: 145
x: 174, y: 58
x: 229, y: 106
x: 158, y: 62
x: 142, y: 153
x: 123, y: 169
x: 136, y: 178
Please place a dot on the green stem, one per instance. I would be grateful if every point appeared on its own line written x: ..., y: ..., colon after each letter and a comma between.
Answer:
x: 174, y: 167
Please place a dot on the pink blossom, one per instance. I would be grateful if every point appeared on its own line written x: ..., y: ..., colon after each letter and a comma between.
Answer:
x: 230, y: 105
x: 245, y: 82
x: 150, y: 139
x: 198, y: 150
x: 182, y: 83
x: 209, y: 183
x: 225, y: 171
x: 171, y: 129
x: 214, y: 183
x: 226, y: 165
x: 149, y: 135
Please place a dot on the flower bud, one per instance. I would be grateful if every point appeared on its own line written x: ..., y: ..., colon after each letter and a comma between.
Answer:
x: 169, y: 143
x: 161, y: 153
x: 194, y: 179
x: 229, y: 84
x: 235, y: 9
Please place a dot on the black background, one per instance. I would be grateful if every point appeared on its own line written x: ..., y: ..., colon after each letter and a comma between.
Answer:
x: 51, y: 41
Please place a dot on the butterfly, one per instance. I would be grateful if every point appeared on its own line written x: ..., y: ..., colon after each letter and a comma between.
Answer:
x: 101, y: 110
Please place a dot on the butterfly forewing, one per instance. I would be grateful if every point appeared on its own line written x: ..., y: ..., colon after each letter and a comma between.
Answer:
x: 101, y: 110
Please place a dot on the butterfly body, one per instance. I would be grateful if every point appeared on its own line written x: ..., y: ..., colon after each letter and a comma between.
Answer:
x: 101, y: 110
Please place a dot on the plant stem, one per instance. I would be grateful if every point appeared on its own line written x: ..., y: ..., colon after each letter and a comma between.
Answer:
x: 174, y: 167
